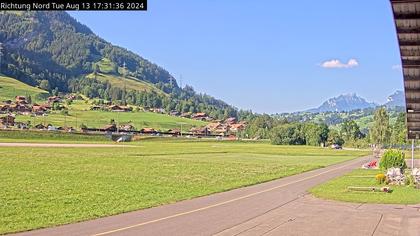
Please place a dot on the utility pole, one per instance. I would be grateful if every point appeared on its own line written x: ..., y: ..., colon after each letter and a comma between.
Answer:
x: 171, y: 80
x: 124, y: 70
x: 412, y: 154
x: 1, y: 55
x: 125, y: 85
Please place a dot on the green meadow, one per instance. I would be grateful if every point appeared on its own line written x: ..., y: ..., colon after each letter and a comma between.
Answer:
x: 79, y: 113
x: 10, y: 87
x: 129, y: 83
x: 43, y: 187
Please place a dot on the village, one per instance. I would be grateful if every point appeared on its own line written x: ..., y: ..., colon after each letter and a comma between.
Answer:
x: 23, y: 106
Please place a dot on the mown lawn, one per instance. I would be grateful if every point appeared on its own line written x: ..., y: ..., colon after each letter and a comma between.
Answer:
x: 35, y: 136
x: 43, y: 187
x: 337, y: 190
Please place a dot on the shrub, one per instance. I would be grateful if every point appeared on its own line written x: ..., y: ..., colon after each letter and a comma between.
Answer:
x: 409, y: 180
x: 392, y: 158
x: 380, y: 178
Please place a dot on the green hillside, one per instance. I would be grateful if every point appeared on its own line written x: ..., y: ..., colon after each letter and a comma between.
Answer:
x: 10, y: 88
x: 79, y: 113
x: 53, y: 49
x: 130, y: 83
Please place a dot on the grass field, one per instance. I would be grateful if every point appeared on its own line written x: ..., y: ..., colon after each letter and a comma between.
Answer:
x: 99, y: 119
x: 50, y: 137
x: 79, y: 113
x: 10, y: 87
x: 337, y: 190
x: 50, y: 186
x: 130, y: 83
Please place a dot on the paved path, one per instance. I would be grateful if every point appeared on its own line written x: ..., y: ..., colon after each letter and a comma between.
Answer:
x: 280, y: 207
x: 59, y: 145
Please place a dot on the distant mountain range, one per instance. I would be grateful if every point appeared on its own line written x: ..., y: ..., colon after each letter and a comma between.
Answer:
x: 396, y: 99
x: 349, y: 102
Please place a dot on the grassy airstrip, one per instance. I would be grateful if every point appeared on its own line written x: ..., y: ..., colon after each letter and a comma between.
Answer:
x: 44, y: 187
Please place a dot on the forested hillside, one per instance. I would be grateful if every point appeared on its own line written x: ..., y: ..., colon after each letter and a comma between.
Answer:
x: 53, y: 51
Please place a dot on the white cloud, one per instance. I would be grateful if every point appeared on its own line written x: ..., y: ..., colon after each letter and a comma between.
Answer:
x: 396, y: 67
x: 335, y: 63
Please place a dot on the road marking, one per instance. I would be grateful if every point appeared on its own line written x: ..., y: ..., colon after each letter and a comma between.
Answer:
x: 220, y: 203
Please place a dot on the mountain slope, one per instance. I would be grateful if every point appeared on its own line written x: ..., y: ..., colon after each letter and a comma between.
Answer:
x: 130, y: 83
x: 396, y: 99
x: 10, y: 87
x: 53, y: 44
x: 52, y: 49
x: 346, y: 102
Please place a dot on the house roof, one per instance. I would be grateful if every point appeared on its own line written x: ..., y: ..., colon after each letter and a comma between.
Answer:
x: 407, y: 23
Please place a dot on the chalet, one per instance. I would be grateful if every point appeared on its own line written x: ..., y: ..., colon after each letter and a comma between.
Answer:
x: 126, y: 108
x: 222, y: 131
x: 109, y: 128
x: 200, y: 131
x: 186, y: 115
x: 148, y: 131
x: 208, y: 118
x: 54, y: 128
x: 69, y: 129
x: 214, y: 126
x: 7, y: 120
x: 218, y: 128
x: 39, y: 109
x: 174, y: 132
x: 21, y: 125
x: 22, y: 102
x: 40, y: 127
x: 71, y: 97
x: 54, y: 99
x: 117, y: 108
x: 20, y: 99
x: 127, y: 128
x: 5, y: 108
x: 21, y: 108
x: 230, y: 120
x: 174, y: 113
x: 199, y: 116
x: 95, y: 108
x: 236, y: 127
x: 157, y: 110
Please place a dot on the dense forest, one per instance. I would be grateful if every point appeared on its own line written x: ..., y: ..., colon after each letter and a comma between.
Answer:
x: 53, y: 51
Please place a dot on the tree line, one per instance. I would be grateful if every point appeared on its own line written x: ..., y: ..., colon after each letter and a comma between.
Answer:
x: 285, y: 132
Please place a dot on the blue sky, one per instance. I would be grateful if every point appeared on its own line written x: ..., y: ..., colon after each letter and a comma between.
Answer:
x: 268, y: 56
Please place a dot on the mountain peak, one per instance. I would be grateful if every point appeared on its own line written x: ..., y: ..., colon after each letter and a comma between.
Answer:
x: 396, y: 99
x: 344, y: 102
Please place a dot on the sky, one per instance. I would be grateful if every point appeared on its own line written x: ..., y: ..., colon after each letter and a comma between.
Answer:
x: 268, y: 56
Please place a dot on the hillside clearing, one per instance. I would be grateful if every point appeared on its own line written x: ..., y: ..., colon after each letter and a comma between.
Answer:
x: 130, y: 83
